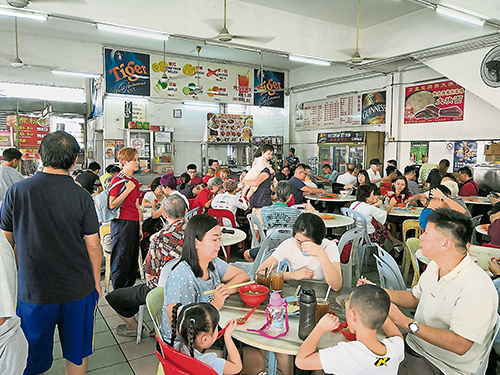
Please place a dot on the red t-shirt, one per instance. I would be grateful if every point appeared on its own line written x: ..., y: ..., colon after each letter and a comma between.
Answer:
x: 469, y: 188
x: 128, y: 209
x: 194, y: 181
x: 202, y: 198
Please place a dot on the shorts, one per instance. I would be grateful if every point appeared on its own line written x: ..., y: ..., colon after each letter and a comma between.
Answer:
x: 253, y: 252
x: 75, y: 322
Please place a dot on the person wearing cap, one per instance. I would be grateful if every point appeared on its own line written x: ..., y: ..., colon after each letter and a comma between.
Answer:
x: 229, y: 201
x: 8, y: 172
x: 374, y: 174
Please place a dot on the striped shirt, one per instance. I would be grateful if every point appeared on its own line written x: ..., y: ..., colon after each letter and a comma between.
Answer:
x: 279, y: 215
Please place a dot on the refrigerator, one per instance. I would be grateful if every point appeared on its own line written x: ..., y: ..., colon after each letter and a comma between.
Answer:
x: 341, y: 148
x: 155, y: 148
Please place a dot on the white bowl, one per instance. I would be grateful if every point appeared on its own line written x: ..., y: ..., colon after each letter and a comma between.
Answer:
x: 344, y: 193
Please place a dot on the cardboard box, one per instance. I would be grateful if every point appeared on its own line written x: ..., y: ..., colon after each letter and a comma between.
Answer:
x: 493, y: 149
x: 492, y: 157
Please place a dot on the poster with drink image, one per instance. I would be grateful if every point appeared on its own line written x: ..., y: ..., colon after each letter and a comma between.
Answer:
x: 419, y: 153
x: 373, y: 108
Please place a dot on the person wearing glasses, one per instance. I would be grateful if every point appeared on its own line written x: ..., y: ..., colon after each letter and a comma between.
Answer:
x: 300, y: 187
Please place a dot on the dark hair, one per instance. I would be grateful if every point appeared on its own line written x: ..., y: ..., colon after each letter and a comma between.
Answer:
x: 214, y: 161
x: 266, y: 148
x: 193, y: 319
x: 168, y: 180
x: 12, y: 154
x: 301, y: 167
x: 155, y: 183
x: 108, y: 168
x: 365, y: 173
x: 283, y: 190
x: 76, y: 172
x: 94, y: 166
x: 372, y: 305
x: 466, y: 171
x: 458, y: 226
x: 444, y: 189
x: 393, y: 162
x: 311, y: 226
x: 210, y: 169
x: 174, y: 206
x: 292, y: 149
x: 364, y: 191
x: 191, y: 166
x: 114, y: 170
x: 406, y: 191
x: 196, y: 229
x: 445, y: 161
x: 350, y: 169
x: 389, y: 169
x: 327, y: 166
x: 59, y: 150
x: 409, y: 169
x: 280, y: 176
x: 185, y: 178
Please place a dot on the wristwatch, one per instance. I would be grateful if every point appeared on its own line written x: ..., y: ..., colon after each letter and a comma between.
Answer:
x: 413, y: 327
x: 443, y: 197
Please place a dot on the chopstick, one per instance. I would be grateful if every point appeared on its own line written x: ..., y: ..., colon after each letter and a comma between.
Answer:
x: 232, y: 286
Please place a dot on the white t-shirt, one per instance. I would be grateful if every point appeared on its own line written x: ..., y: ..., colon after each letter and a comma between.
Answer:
x: 347, y: 179
x: 464, y: 301
x: 288, y: 250
x: 151, y: 197
x: 355, y: 358
x: 369, y: 212
x: 374, y: 176
x: 229, y: 202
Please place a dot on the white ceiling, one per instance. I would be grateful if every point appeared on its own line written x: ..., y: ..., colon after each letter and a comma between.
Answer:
x: 323, y: 28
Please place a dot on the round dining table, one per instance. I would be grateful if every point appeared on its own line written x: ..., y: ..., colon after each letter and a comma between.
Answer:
x: 335, y: 221
x: 412, y: 212
x: 228, y: 239
x: 331, y: 198
x: 477, y: 200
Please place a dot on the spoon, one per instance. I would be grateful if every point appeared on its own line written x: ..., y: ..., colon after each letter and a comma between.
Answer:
x: 238, y: 321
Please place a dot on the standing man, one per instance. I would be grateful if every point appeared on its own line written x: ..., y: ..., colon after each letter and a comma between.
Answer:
x: 468, y: 186
x: 292, y: 161
x: 298, y: 183
x: 90, y: 178
x: 455, y: 301
x: 8, y: 172
x: 53, y: 224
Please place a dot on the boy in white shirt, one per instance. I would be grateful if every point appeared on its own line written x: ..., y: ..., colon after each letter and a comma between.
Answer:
x: 367, y: 311
x: 229, y: 201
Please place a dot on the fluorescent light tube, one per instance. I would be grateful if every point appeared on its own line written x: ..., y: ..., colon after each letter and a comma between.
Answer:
x: 130, y: 98
x: 23, y: 14
x: 309, y: 60
x: 43, y: 92
x: 195, y: 103
x: 459, y: 15
x: 75, y: 74
x: 126, y: 30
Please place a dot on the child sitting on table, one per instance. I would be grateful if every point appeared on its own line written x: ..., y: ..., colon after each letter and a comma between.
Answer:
x: 367, y: 311
x: 197, y: 329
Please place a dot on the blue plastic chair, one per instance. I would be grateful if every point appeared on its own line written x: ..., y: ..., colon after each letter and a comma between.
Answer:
x: 255, y: 222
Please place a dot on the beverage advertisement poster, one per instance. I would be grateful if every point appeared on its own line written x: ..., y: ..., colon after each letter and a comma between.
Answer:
x: 465, y: 154
x: 126, y: 72
x: 269, y: 88
x: 434, y: 102
x: 419, y: 152
x: 224, y: 128
x: 218, y: 82
x: 373, y: 108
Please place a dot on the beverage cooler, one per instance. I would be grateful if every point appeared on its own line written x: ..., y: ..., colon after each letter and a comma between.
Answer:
x: 341, y: 148
x: 155, y: 148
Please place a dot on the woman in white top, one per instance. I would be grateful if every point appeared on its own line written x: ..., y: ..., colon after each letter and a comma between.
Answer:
x: 309, y: 254
x: 169, y: 183
x: 229, y: 201
x: 154, y: 198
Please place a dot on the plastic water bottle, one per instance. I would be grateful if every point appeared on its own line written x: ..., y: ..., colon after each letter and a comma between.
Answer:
x: 276, y: 312
x: 307, y: 319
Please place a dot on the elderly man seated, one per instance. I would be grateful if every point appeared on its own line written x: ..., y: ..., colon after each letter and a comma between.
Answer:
x: 455, y: 300
x: 165, y: 245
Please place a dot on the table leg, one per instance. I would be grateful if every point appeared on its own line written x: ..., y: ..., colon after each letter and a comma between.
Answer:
x: 272, y: 365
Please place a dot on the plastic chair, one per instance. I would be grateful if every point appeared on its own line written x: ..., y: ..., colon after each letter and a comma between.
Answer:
x: 255, y: 222
x: 385, y: 257
x: 354, y: 236
x: 154, y: 303
x: 359, y: 222
x: 484, y: 362
x: 424, y: 171
x: 475, y: 222
x: 220, y: 215
x: 191, y: 213
x: 104, y: 231
x: 413, y: 244
x: 387, y: 278
x: 177, y: 363
x: 409, y: 226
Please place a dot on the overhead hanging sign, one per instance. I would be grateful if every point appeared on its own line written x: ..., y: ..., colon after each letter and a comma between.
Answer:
x: 126, y: 72
x: 434, y: 102
x: 270, y: 87
x: 341, y: 110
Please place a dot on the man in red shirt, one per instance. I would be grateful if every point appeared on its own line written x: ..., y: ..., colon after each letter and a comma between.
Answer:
x: 468, y: 186
x: 204, y: 198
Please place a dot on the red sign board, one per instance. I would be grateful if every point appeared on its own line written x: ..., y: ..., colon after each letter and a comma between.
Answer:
x: 30, y: 131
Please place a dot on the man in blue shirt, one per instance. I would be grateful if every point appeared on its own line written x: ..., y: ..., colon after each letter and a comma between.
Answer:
x: 300, y: 188
x: 330, y: 174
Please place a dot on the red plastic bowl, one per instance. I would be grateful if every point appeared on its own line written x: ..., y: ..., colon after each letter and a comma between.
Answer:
x: 348, y: 335
x: 253, y: 299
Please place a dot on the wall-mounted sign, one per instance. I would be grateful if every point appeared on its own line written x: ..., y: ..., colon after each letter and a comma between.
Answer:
x: 419, y: 153
x: 434, y: 102
x: 373, y: 108
x: 126, y: 72
x: 30, y: 131
x: 270, y: 92
x: 465, y: 154
x: 224, y: 128
x: 341, y: 137
x: 5, y: 138
x: 342, y: 110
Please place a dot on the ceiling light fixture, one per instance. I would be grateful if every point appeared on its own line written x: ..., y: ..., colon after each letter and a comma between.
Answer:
x: 459, y: 15
x: 195, y: 103
x: 43, y: 92
x: 132, y: 31
x: 75, y: 74
x: 23, y: 14
x: 309, y: 60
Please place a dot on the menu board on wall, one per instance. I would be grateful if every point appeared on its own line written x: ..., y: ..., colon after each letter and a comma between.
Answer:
x: 434, y: 102
x: 272, y: 84
x: 342, y: 110
x: 126, y: 72
x: 218, y: 82
x: 341, y: 137
x: 224, y: 128
x: 465, y: 154
x: 30, y: 131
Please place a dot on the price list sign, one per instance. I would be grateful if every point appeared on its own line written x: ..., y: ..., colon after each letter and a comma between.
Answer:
x: 342, y: 110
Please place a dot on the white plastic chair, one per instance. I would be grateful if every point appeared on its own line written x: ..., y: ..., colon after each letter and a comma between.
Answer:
x: 191, y: 213
x: 484, y: 362
x: 354, y: 236
x: 255, y: 222
x: 387, y: 278
x: 385, y: 257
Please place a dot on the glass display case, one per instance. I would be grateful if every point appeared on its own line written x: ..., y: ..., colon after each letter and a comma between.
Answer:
x: 163, y: 157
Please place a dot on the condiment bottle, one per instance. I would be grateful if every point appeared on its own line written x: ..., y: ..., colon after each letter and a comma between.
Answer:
x: 276, y: 312
x: 307, y: 318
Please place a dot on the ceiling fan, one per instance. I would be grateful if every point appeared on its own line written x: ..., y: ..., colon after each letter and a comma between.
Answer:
x: 25, y: 3
x: 17, y: 63
x: 225, y: 36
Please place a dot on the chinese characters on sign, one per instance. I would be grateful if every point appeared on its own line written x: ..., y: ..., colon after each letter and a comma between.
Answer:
x: 434, y: 102
x: 341, y: 137
x: 342, y: 110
